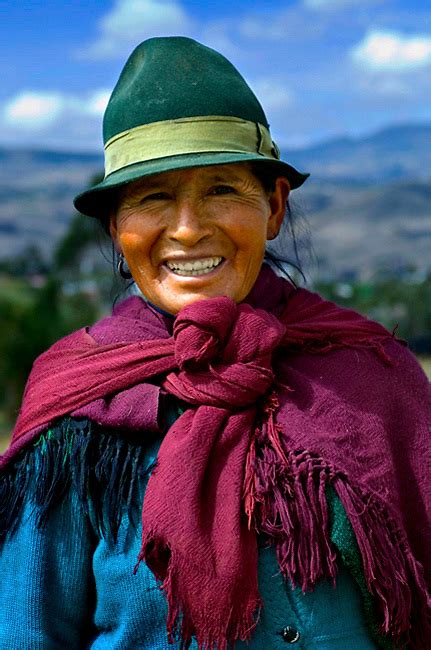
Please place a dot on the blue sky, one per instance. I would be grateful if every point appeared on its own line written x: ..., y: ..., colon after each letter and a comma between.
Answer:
x: 321, y: 68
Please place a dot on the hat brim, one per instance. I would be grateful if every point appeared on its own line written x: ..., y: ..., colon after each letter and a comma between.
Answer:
x: 99, y: 200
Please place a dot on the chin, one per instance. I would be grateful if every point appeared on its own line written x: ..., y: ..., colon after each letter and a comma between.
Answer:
x: 179, y: 304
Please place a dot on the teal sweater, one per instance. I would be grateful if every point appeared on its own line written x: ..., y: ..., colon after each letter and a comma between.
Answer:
x: 66, y: 567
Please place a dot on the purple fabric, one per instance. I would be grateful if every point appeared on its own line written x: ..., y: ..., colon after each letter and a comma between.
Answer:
x: 288, y: 394
x: 133, y: 408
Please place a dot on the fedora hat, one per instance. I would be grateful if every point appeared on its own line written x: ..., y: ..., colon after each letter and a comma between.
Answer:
x: 179, y: 104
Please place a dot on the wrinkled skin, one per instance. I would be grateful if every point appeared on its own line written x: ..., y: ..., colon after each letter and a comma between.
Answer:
x: 220, y: 211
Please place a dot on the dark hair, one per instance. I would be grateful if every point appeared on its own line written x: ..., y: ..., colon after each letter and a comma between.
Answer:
x: 284, y: 251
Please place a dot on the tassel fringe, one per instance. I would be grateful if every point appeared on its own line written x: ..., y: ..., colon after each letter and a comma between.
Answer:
x: 285, y: 498
x: 102, y: 467
x: 182, y: 625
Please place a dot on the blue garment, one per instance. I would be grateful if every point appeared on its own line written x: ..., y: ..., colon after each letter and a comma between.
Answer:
x: 63, y: 586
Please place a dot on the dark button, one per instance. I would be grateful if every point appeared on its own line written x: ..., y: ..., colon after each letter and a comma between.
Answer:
x: 290, y: 634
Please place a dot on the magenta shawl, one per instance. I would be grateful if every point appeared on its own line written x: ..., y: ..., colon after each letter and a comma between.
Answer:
x: 287, y: 394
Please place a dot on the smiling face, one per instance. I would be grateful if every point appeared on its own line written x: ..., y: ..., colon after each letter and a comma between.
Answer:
x: 197, y: 233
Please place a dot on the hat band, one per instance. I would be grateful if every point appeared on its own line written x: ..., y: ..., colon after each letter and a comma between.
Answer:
x: 185, y: 136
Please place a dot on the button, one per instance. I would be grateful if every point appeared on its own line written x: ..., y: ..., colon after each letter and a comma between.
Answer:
x: 290, y: 634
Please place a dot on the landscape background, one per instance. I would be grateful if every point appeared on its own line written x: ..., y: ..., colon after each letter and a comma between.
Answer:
x: 367, y: 202
x: 347, y: 90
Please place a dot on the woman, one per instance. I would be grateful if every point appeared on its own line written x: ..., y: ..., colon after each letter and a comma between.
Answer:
x: 277, y: 442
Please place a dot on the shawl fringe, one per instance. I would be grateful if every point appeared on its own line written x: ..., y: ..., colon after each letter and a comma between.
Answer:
x: 285, y: 498
x: 182, y: 624
x: 102, y: 467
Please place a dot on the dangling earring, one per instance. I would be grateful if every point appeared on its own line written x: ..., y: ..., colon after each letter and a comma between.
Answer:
x: 122, y: 267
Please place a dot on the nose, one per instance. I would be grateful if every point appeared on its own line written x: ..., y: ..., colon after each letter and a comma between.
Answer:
x: 189, y: 224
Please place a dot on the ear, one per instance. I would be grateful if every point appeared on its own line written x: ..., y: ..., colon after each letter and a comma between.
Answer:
x: 277, y: 203
x: 113, y: 230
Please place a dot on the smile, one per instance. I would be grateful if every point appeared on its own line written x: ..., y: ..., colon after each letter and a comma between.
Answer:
x: 194, y: 267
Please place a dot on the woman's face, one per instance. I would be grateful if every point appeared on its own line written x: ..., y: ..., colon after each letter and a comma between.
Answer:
x: 197, y: 233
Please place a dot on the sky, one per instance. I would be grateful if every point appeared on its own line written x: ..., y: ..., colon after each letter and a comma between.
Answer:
x: 321, y: 68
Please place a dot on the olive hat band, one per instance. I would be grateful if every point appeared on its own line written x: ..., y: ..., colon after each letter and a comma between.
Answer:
x: 210, y: 133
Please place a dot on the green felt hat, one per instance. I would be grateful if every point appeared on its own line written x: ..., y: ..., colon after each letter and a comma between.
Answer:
x: 179, y: 104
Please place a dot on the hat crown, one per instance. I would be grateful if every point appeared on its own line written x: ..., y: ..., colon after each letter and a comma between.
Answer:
x: 179, y: 104
x: 168, y: 78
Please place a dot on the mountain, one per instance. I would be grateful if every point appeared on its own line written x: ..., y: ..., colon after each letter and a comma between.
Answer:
x: 359, y: 230
x: 394, y: 153
x: 367, y: 202
x: 36, y: 193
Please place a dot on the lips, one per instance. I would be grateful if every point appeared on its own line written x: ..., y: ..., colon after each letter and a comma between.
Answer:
x: 194, y: 267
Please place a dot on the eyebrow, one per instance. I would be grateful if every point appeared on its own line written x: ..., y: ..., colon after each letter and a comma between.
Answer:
x: 147, y: 184
x: 225, y: 178
x: 155, y: 183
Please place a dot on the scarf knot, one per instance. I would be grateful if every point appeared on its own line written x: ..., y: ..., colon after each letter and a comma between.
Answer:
x: 200, y: 335
x: 224, y: 354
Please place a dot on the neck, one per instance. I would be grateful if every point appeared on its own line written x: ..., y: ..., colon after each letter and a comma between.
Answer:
x: 158, y: 310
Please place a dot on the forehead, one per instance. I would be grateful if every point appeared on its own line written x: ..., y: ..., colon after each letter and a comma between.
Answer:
x: 213, y: 173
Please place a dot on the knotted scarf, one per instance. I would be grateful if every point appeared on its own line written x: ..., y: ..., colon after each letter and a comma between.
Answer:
x: 286, y: 395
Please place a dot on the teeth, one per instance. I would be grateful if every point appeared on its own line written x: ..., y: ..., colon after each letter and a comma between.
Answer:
x: 197, y: 267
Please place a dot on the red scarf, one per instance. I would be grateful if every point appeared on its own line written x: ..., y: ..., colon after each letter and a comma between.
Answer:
x: 286, y: 397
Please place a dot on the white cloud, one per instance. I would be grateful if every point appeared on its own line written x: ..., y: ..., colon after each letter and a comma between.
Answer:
x: 41, y: 111
x: 389, y: 50
x: 33, y: 110
x: 132, y: 21
x: 97, y: 102
x: 272, y: 94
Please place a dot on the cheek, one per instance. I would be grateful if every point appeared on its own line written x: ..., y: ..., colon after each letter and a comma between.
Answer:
x: 250, y: 240
x: 137, y: 231
x: 250, y: 236
x: 136, y: 247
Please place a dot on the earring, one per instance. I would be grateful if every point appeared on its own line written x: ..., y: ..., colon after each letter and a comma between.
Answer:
x: 122, y: 267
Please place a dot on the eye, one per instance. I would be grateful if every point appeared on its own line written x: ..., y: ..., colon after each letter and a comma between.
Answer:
x: 156, y: 196
x: 222, y: 189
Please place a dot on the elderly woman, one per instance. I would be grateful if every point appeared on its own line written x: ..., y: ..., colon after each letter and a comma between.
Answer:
x: 226, y: 460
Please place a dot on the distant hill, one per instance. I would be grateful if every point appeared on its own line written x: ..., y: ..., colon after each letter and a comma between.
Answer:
x: 357, y: 230
x: 395, y: 153
x: 368, y: 200
x: 36, y: 193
